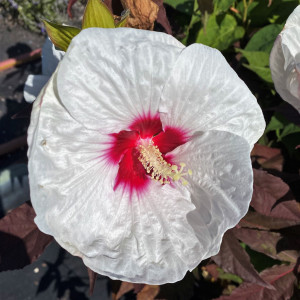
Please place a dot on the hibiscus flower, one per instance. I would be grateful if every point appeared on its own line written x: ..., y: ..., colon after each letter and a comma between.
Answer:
x: 139, y: 153
x: 285, y: 61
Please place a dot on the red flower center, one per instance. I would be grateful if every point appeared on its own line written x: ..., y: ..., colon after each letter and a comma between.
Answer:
x: 124, y: 150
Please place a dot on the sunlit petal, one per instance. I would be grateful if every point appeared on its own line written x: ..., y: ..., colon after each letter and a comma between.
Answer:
x: 204, y: 93
x: 111, y: 76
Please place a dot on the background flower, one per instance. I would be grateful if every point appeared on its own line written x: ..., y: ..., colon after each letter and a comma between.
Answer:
x: 285, y: 60
x: 107, y: 79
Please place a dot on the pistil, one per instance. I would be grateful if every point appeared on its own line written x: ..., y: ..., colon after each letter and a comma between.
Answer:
x: 159, y: 169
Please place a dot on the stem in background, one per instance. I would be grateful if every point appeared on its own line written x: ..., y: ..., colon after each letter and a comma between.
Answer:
x: 245, y: 11
x: 24, y: 58
x: 234, y: 10
x: 246, y: 5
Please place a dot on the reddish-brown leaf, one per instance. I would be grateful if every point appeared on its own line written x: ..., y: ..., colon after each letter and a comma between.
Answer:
x: 280, y: 277
x: 143, y: 291
x: 290, y: 239
x: 121, y: 288
x: 272, y: 197
x: 21, y: 242
x: 149, y: 292
x: 92, y: 280
x: 268, y: 158
x: 162, y: 16
x: 265, y: 242
x: 138, y: 287
x: 234, y: 259
x: 256, y: 220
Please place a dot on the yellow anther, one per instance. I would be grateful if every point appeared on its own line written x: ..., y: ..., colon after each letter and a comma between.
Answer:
x: 184, y: 182
x: 176, y: 177
x: 174, y: 168
x: 161, y: 171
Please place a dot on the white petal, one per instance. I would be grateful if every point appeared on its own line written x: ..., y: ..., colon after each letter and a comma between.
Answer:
x: 33, y: 86
x: 60, y: 148
x: 221, y: 184
x: 108, y: 77
x: 149, y: 240
x: 50, y: 57
x: 285, y: 61
x: 204, y: 93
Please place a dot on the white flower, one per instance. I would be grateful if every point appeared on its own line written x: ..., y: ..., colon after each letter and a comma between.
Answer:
x: 50, y: 59
x: 285, y: 60
x: 116, y: 94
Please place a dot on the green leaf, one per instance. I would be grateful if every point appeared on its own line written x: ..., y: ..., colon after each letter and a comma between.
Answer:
x: 260, y: 12
x: 184, y: 6
x: 220, y: 32
x: 256, y: 58
x: 263, y: 72
x: 199, y: 18
x: 97, y: 15
x: 223, y: 5
x: 196, y: 16
x: 275, y: 123
x: 206, y: 6
x: 258, y: 49
x: 60, y: 35
x: 291, y: 141
x: 283, y: 10
x: 229, y: 276
x: 289, y: 129
x: 282, y: 126
x: 194, y: 25
x: 263, y: 40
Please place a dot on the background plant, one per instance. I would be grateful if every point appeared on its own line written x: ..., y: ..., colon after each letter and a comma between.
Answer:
x: 29, y: 13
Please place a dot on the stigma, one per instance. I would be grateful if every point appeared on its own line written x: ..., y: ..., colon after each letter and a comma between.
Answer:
x: 159, y: 169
